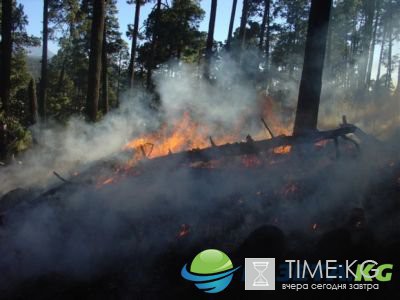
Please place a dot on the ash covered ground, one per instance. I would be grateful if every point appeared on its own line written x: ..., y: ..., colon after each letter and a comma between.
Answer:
x: 132, y: 236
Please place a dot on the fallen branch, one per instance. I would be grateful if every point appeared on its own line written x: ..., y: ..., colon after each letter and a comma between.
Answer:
x: 60, y: 177
x: 267, y: 127
x: 254, y: 147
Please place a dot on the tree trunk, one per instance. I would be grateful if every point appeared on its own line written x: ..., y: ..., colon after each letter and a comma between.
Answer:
x: 134, y: 44
x: 231, y: 22
x: 378, y: 74
x: 104, y: 67
x: 311, y: 80
x: 388, y: 80
x: 150, y: 63
x: 119, y: 78
x: 33, y: 105
x: 243, y: 23
x: 366, y: 44
x: 397, y: 92
x: 353, y: 55
x: 6, y: 53
x: 96, y: 46
x: 372, y: 48
x: 60, y: 81
x: 267, y: 44
x: 264, y: 24
x: 43, y: 78
x: 210, y: 40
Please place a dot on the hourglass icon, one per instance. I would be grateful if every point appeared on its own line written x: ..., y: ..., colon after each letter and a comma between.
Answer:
x: 260, y: 267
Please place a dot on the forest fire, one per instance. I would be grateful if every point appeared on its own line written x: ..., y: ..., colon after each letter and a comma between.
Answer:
x: 187, y: 134
x: 133, y: 152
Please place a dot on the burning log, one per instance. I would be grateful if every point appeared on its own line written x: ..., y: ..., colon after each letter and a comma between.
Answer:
x: 251, y: 147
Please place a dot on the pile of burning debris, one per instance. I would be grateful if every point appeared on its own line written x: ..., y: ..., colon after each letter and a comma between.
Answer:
x: 249, y: 153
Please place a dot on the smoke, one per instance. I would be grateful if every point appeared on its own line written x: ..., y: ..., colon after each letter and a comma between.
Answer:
x: 68, y: 149
x: 81, y: 230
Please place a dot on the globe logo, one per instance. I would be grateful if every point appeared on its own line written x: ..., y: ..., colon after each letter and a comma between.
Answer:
x: 211, y: 271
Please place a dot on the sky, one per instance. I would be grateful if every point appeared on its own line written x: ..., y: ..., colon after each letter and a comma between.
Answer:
x: 33, y: 9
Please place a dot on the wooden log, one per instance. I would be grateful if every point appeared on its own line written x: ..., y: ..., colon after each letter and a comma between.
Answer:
x: 253, y: 147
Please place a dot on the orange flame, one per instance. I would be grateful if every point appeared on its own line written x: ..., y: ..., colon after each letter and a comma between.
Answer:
x: 283, y: 149
x: 185, y: 229
x: 186, y: 134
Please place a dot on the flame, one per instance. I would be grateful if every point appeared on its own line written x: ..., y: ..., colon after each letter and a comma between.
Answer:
x: 277, y: 116
x: 186, y: 134
x: 108, y: 181
x: 283, y: 149
x: 184, y: 230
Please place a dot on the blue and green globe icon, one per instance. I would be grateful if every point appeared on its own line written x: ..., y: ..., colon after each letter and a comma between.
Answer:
x: 211, y: 271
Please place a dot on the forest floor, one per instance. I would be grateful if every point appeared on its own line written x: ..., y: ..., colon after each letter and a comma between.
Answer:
x: 130, y: 238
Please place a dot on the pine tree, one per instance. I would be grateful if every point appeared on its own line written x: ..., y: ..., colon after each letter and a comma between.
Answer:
x: 210, y: 39
x: 96, y: 46
x: 311, y: 80
x: 134, y: 35
x: 43, y: 78
x: 153, y: 47
x: 33, y: 105
x: 231, y: 21
x: 6, y: 53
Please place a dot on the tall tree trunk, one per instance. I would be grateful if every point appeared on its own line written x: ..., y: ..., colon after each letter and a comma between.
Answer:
x: 311, y: 79
x: 231, y: 22
x: 96, y: 46
x: 353, y: 54
x: 104, y: 67
x: 372, y: 48
x: 6, y: 53
x: 243, y: 23
x: 366, y: 43
x: 60, y: 81
x: 210, y: 39
x: 267, y: 44
x: 264, y: 24
x: 388, y: 80
x: 150, y: 63
x: 43, y: 78
x: 135, y: 32
x: 119, y: 78
x: 397, y: 92
x: 378, y: 74
x: 33, y: 105
x: 328, y: 60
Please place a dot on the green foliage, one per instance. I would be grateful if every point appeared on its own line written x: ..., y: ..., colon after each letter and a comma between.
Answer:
x: 16, y: 137
x: 20, y: 76
x: 178, y: 39
x: 178, y: 36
